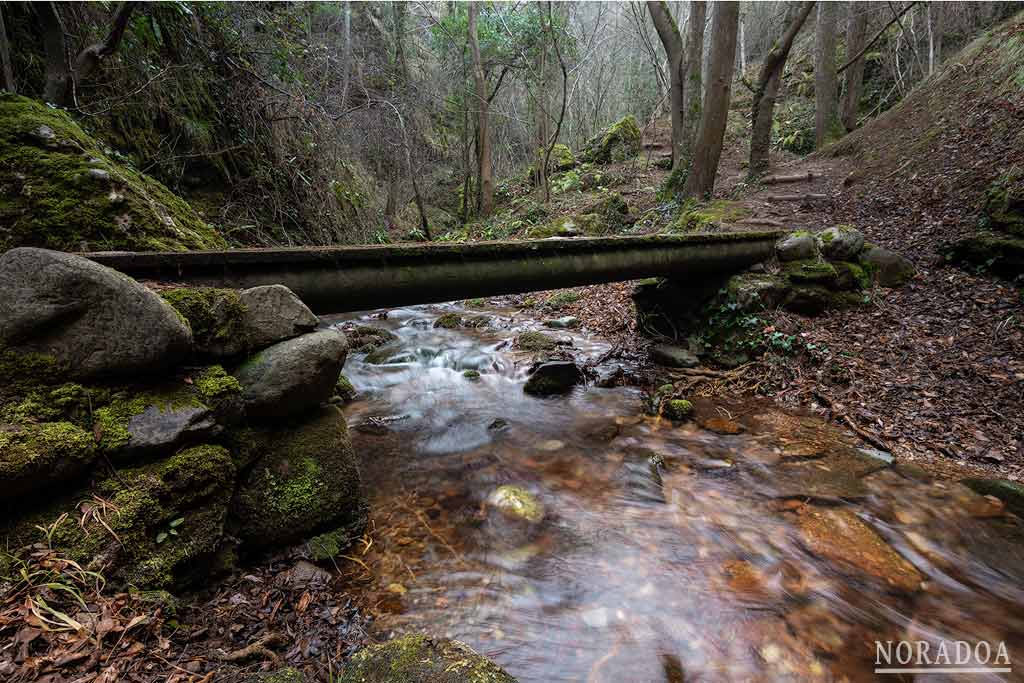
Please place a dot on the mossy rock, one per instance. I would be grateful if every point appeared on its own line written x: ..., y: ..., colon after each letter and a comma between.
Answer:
x: 613, y: 211
x: 345, y: 389
x: 216, y: 317
x: 851, y: 276
x: 306, y: 482
x: 618, y: 142
x: 811, y: 272
x: 422, y: 659
x: 756, y: 291
x: 997, y: 253
x: 676, y: 409
x: 1004, y: 202
x: 62, y: 190
x: 695, y: 217
x: 151, y: 527
x: 534, y: 341
x: 367, y: 338
x: 562, y: 157
x: 588, y: 224
x: 286, y: 674
x: 815, y: 299
x: 448, y: 321
x: 34, y: 457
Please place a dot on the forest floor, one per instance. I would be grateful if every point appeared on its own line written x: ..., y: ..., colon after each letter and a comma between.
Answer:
x: 932, y: 371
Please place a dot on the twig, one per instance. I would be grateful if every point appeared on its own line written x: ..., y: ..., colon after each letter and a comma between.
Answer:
x: 260, y: 647
x: 872, y: 439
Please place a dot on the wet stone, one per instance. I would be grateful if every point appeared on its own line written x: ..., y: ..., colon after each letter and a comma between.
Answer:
x: 841, y: 537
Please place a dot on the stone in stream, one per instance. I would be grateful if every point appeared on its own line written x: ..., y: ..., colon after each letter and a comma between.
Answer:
x: 568, y: 322
x: 672, y: 356
x: 367, y: 338
x: 841, y: 537
x: 515, y: 501
x: 292, y: 376
x: 344, y: 389
x: 840, y: 243
x: 676, y: 409
x: 448, y: 321
x: 555, y: 377
x: 534, y: 341
x: 421, y: 659
x: 86, y: 317
x: 1010, y: 492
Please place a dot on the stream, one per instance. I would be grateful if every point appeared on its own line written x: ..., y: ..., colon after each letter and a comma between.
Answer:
x: 747, y: 544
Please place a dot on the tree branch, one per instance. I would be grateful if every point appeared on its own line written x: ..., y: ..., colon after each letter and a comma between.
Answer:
x: 878, y: 35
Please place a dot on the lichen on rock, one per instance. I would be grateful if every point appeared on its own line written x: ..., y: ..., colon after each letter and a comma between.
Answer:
x: 422, y: 659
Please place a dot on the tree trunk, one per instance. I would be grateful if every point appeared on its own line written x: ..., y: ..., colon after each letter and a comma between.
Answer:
x: 708, y: 151
x: 935, y: 30
x: 825, y: 81
x: 856, y: 35
x: 486, y: 179
x: 89, y: 59
x: 6, y: 70
x: 743, y: 48
x: 767, y: 89
x: 58, y: 67
x: 346, y: 58
x: 672, y: 41
x: 693, y: 75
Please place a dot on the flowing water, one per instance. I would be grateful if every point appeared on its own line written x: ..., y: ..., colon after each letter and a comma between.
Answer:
x: 748, y: 544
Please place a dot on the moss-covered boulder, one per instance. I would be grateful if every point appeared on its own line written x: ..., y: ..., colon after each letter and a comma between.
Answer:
x: 614, y: 212
x: 1004, y: 202
x: 61, y: 189
x: 587, y: 224
x: 149, y: 527
x: 704, y: 217
x: 618, y: 142
x: 753, y: 292
x: 227, y: 323
x: 995, y: 252
x: 36, y: 457
x: 448, y: 321
x: 90, y: 319
x: 422, y: 659
x: 344, y: 389
x: 534, y: 341
x: 367, y: 338
x: 797, y: 246
x: 885, y: 267
x: 676, y: 409
x: 810, y: 271
x: 562, y: 157
x: 293, y: 376
x: 137, y: 425
x: 840, y: 243
x: 304, y: 483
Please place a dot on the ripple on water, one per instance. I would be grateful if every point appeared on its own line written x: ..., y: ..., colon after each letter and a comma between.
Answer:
x: 763, y: 547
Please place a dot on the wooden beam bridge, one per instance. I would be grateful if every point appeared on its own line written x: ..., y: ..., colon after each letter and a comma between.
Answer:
x: 342, y: 279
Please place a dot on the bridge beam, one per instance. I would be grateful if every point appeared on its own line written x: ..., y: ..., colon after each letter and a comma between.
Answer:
x: 343, y: 279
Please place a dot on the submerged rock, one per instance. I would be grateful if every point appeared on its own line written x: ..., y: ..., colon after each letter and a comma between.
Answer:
x: 422, y: 659
x: 556, y: 377
x: 87, y: 317
x: 516, y: 501
x: 293, y: 376
x: 305, y: 482
x: 1010, y: 492
x: 841, y: 537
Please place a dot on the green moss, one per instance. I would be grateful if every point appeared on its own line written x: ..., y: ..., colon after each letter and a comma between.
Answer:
x: 851, y: 275
x: 676, y: 409
x: 563, y: 157
x: 63, y: 191
x: 695, y: 217
x: 111, y: 421
x: 990, y: 251
x: 618, y: 142
x: 561, y: 299
x: 216, y: 316
x: 814, y: 272
x: 286, y: 675
x: 23, y: 372
x: 448, y: 321
x: 471, y: 374
x: 419, y: 659
x: 35, y: 456
x: 673, y: 184
x: 127, y: 527
x: 216, y: 387
x: 534, y: 341
x: 345, y: 389
x: 1004, y: 202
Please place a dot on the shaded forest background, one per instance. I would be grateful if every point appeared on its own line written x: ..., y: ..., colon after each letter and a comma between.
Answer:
x: 318, y: 123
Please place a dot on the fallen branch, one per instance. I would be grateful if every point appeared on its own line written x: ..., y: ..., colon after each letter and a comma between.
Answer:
x: 840, y: 416
x: 259, y: 648
x: 795, y: 178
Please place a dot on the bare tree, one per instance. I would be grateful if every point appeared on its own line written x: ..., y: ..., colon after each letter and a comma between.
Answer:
x: 935, y: 30
x: 708, y: 150
x: 825, y: 80
x: 63, y: 77
x: 483, y: 147
x: 856, y: 36
x: 672, y: 41
x: 767, y: 89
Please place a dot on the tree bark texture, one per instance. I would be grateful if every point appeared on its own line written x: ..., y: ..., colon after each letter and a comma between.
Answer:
x: 708, y: 150
x: 767, y: 89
